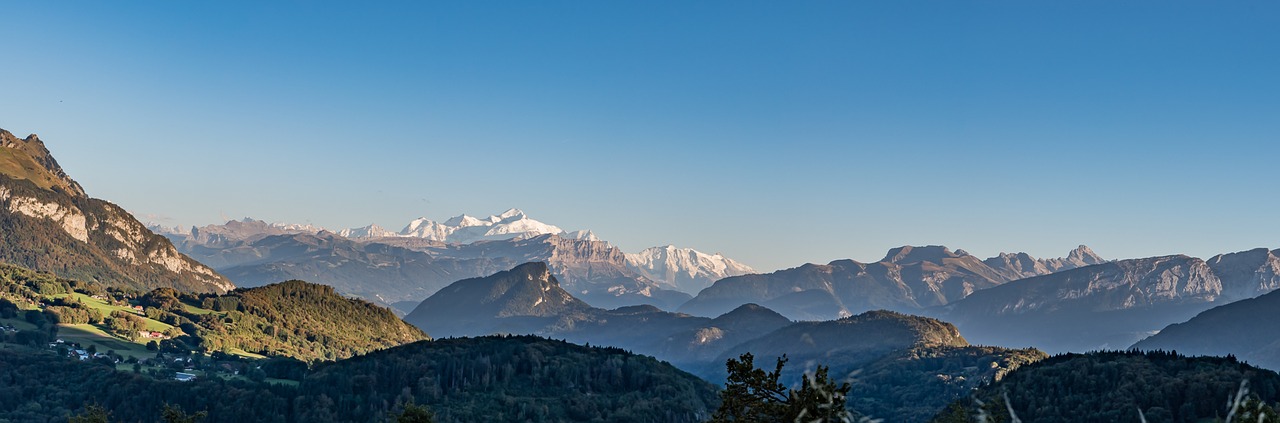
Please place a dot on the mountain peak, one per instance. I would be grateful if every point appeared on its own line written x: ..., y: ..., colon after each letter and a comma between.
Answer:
x: 527, y: 290
x: 465, y: 229
x: 1083, y: 254
x: 370, y: 231
x: 91, y: 239
x: 583, y: 235
x: 28, y: 158
x: 910, y: 254
x: 686, y: 269
x: 510, y: 213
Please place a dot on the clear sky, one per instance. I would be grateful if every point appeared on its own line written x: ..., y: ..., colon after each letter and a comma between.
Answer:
x: 777, y: 133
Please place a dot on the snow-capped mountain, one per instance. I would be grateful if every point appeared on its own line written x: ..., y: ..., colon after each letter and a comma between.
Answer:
x: 687, y: 269
x: 373, y: 262
x: 464, y: 229
x: 371, y: 231
x: 582, y: 235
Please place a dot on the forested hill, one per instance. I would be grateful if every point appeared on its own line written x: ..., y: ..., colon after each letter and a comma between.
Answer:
x: 507, y: 379
x: 490, y: 379
x: 306, y: 321
x: 291, y: 319
x: 1119, y: 387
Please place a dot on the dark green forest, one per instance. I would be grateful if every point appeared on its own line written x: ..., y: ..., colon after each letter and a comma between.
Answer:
x: 1117, y: 387
x: 507, y: 379
x: 492, y: 379
x: 293, y: 319
x: 913, y: 385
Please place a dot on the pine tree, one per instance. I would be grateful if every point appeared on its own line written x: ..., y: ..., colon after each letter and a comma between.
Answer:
x: 753, y: 395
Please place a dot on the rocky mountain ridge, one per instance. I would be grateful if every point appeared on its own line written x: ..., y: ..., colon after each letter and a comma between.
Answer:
x: 49, y: 224
x: 595, y: 270
x: 1242, y: 328
x: 908, y: 279
x: 1110, y: 305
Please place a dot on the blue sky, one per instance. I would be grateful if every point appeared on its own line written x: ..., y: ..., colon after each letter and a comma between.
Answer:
x: 777, y: 133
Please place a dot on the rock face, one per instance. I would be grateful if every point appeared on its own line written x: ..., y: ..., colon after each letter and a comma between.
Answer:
x: 50, y: 224
x: 1248, y: 273
x: 1244, y: 328
x: 1111, y: 305
x: 685, y: 269
x: 908, y: 279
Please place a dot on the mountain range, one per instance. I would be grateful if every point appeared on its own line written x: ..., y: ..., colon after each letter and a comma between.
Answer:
x: 1111, y: 305
x: 47, y: 222
x: 891, y: 328
x: 908, y: 279
x: 400, y: 269
x: 887, y: 345
x: 1242, y: 328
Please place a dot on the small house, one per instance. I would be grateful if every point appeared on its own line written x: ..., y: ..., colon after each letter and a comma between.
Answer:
x: 184, y: 377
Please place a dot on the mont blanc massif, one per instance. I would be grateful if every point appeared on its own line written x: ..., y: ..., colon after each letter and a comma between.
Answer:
x: 506, y: 318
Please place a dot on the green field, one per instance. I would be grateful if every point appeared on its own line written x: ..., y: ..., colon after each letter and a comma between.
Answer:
x: 196, y: 310
x: 246, y: 354
x: 87, y: 335
x: 106, y: 310
x: 18, y: 323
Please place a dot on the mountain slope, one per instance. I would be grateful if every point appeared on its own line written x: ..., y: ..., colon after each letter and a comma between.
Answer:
x: 47, y: 223
x: 685, y: 269
x: 29, y: 159
x: 1247, y: 273
x: 1243, y: 328
x: 1110, y: 305
x: 520, y: 300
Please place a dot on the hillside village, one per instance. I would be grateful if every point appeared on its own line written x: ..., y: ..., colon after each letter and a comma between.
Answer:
x: 113, y: 328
